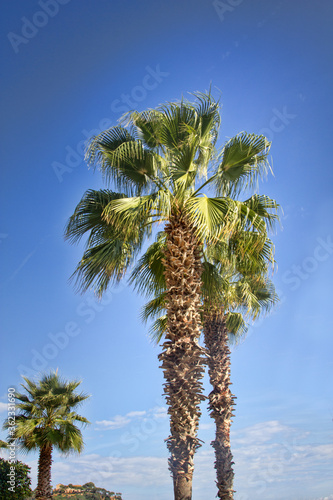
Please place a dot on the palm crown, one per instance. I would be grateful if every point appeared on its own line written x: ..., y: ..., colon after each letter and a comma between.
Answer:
x: 157, y: 162
x: 46, y: 414
x: 47, y: 419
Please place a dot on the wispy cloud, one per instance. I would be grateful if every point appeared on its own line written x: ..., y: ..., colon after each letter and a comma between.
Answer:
x: 3, y: 407
x: 271, y: 456
x: 115, y: 423
x: 260, y: 433
x: 159, y: 412
x: 134, y: 414
x: 119, y: 421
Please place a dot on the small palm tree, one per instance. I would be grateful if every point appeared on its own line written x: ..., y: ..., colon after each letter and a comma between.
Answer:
x: 160, y: 160
x: 46, y: 421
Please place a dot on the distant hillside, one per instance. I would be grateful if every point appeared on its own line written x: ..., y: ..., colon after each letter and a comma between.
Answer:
x: 86, y: 492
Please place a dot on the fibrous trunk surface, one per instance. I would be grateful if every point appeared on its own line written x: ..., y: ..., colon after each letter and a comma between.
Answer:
x: 44, y: 490
x: 182, y: 359
x: 221, y: 401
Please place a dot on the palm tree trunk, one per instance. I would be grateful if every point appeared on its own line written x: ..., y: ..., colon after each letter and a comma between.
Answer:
x: 182, y: 359
x: 221, y: 401
x: 44, y: 490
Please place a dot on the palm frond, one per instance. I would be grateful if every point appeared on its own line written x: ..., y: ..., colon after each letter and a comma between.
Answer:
x: 153, y: 308
x: 244, y: 160
x: 123, y: 160
x: 148, y: 274
x: 213, y: 218
x: 235, y: 324
x: 158, y: 329
x: 89, y: 216
x: 265, y: 207
x: 214, y: 284
x: 138, y: 212
x: 103, y: 264
x: 147, y: 124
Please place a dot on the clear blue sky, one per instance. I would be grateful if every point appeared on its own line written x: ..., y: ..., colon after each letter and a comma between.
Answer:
x: 70, y: 67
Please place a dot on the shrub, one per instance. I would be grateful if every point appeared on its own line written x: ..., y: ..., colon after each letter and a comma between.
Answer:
x: 15, y: 481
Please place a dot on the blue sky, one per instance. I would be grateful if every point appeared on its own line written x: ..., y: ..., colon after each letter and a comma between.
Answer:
x: 71, y: 68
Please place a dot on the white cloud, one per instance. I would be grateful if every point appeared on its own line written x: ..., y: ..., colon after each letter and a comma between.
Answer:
x: 271, y: 457
x: 259, y: 433
x: 115, y: 423
x: 119, y: 421
x: 159, y: 412
x: 3, y: 407
x: 134, y: 414
x: 206, y: 427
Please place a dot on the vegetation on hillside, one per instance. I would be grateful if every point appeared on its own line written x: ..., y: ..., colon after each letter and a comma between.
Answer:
x: 86, y: 492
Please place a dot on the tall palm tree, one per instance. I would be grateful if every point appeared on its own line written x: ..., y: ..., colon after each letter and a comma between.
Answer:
x: 243, y: 261
x: 219, y: 324
x: 47, y: 420
x: 157, y: 159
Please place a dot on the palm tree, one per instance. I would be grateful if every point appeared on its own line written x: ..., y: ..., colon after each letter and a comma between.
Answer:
x: 243, y: 261
x: 158, y: 158
x: 220, y: 323
x: 47, y: 420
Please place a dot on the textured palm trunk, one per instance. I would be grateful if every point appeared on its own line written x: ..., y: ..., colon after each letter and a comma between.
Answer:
x: 221, y: 401
x: 182, y: 359
x: 44, y: 490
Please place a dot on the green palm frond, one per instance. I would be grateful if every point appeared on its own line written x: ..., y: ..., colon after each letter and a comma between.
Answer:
x: 214, y: 284
x: 215, y: 218
x: 255, y: 295
x: 247, y: 253
x: 236, y: 325
x: 102, y: 265
x: 265, y: 207
x: 176, y: 117
x: 183, y: 170
x: 147, y: 124
x: 154, y: 308
x: 209, y: 118
x: 123, y: 159
x: 111, y: 139
x: 266, y: 294
x: 158, y: 329
x: 136, y: 215
x: 137, y: 166
x: 148, y: 274
x: 111, y: 247
x: 244, y: 160
x: 212, y: 217
x: 89, y: 216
